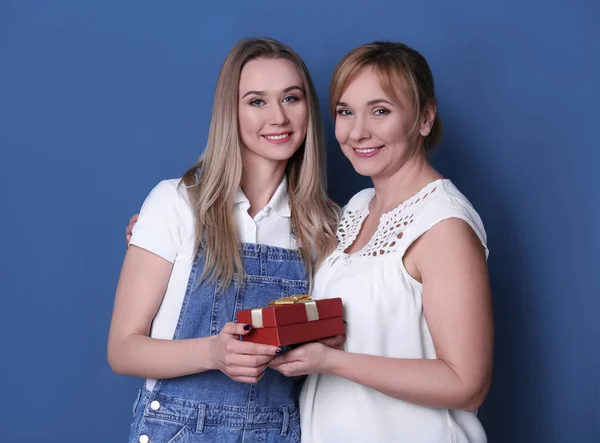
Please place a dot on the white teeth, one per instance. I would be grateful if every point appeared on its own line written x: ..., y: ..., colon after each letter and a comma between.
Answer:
x: 365, y: 151
x: 277, y: 137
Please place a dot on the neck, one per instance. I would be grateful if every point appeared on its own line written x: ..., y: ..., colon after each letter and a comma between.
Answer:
x: 260, y: 180
x: 392, y: 190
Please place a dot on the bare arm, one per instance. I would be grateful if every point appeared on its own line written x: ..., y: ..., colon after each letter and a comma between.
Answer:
x: 450, y: 261
x: 131, y: 351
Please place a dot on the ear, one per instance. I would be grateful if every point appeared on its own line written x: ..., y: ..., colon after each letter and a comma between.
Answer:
x: 428, y: 118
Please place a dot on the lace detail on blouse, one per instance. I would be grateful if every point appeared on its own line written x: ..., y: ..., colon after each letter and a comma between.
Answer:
x: 391, y: 224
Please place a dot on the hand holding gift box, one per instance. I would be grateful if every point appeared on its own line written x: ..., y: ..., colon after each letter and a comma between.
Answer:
x: 292, y: 320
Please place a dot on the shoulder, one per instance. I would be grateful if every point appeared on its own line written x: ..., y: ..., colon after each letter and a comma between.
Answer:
x: 169, y: 191
x: 166, y: 218
x: 445, y: 203
x: 169, y: 197
x: 442, y: 201
x: 359, y: 200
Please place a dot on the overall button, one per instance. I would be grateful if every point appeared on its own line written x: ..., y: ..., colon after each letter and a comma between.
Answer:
x: 144, y: 439
x: 155, y: 405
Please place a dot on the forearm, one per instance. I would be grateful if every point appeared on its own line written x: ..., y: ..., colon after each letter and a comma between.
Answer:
x: 141, y: 356
x: 431, y: 383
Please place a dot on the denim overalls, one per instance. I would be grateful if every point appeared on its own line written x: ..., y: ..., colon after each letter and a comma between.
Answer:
x: 209, y: 406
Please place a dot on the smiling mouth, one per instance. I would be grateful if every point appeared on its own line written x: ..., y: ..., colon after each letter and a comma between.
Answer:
x: 276, y: 137
x: 367, y: 152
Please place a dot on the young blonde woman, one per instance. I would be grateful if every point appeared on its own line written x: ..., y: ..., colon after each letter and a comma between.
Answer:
x: 242, y: 227
x: 411, y: 269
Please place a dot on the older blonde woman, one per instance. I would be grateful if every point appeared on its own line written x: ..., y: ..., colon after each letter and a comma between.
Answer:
x: 410, y: 267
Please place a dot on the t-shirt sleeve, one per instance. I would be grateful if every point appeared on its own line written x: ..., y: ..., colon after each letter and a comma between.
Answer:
x: 158, y: 227
x: 442, y: 209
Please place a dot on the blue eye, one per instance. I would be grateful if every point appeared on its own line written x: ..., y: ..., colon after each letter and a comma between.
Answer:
x: 381, y: 111
x: 290, y: 99
x: 344, y: 112
x: 257, y: 102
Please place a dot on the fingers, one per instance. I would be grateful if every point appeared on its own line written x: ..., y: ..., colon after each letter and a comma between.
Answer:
x: 334, y: 342
x: 129, y: 229
x: 232, y: 328
x: 290, y: 356
x: 248, y: 348
x: 243, y: 371
x: 249, y: 380
x: 286, y: 369
x: 246, y: 374
x: 249, y: 361
x: 244, y: 363
x: 128, y: 232
x: 242, y: 347
x: 276, y: 362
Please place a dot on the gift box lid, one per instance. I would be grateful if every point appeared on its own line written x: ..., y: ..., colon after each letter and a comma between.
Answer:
x: 291, y: 310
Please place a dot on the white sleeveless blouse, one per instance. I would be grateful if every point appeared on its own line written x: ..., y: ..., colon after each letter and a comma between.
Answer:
x: 383, y: 308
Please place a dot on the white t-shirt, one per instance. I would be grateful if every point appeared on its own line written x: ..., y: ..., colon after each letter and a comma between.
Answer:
x: 166, y: 227
x: 383, y: 307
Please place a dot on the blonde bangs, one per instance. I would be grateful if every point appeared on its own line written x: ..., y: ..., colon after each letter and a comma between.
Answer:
x: 403, y: 74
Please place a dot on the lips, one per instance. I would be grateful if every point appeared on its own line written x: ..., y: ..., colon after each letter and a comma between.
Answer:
x: 278, y: 138
x: 367, y: 152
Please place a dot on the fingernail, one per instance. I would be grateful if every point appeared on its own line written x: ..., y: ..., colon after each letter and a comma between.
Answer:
x: 279, y: 352
x: 247, y: 327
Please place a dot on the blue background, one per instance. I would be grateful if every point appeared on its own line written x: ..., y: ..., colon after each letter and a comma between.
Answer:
x: 101, y: 100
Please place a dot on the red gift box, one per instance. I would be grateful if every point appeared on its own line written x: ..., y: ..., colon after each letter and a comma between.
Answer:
x: 293, y: 320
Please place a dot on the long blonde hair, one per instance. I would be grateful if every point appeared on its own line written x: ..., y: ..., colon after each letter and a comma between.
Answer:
x: 213, y: 182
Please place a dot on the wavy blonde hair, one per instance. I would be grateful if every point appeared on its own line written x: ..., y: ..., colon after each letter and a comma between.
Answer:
x: 213, y: 182
x: 396, y: 65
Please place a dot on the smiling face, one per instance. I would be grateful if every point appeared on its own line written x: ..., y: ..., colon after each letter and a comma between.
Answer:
x: 376, y: 132
x: 272, y: 109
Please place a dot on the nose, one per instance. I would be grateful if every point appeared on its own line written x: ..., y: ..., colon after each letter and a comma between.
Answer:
x: 359, y: 130
x: 278, y: 115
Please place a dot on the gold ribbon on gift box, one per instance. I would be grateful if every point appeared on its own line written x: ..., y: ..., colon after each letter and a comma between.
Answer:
x: 312, y: 312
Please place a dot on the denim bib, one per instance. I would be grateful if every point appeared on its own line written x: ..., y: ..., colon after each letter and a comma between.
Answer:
x: 209, y: 406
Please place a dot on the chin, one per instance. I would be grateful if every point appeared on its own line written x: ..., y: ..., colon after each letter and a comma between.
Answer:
x: 278, y: 158
x: 366, y: 170
x: 279, y: 153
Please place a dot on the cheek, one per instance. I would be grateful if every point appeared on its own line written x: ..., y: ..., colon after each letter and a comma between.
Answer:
x: 247, y: 121
x: 341, y: 131
x: 393, y: 132
x: 247, y: 129
x: 299, y: 115
x: 303, y: 111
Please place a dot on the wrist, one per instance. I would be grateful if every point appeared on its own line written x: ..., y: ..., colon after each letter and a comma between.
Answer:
x: 205, y: 353
x: 330, y: 361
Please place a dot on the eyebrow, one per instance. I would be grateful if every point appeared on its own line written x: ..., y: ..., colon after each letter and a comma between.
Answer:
x: 370, y: 103
x: 288, y: 89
